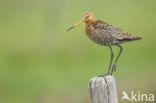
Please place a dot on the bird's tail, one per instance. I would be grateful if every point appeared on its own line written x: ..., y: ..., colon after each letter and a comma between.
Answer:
x: 131, y: 39
x: 137, y: 38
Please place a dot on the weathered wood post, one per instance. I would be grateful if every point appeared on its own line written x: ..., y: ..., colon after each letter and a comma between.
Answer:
x: 102, y: 89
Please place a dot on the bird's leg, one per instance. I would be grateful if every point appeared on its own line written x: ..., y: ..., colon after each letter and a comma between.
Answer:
x: 114, y: 65
x: 112, y: 56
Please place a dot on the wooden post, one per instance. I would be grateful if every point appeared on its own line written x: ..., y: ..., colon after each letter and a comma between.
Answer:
x: 102, y: 89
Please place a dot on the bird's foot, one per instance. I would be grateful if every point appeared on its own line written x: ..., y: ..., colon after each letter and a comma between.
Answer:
x: 108, y: 73
x: 104, y: 75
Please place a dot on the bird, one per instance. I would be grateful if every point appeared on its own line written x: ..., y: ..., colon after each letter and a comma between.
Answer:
x: 105, y: 34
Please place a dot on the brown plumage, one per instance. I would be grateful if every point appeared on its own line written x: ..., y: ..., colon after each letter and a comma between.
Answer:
x: 105, y: 34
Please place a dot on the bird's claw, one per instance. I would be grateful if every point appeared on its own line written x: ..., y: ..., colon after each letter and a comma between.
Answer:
x: 103, y: 75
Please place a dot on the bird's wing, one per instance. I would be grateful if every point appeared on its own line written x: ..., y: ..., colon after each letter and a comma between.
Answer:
x: 101, y: 31
x: 104, y: 30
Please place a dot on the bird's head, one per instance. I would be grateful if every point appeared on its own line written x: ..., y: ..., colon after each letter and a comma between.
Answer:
x: 87, y: 18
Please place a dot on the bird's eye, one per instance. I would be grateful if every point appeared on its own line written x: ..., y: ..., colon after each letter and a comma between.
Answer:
x: 87, y: 16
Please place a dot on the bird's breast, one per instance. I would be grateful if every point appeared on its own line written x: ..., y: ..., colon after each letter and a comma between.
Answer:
x: 88, y: 29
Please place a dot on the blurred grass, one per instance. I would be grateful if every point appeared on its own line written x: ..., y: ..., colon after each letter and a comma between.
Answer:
x: 42, y: 63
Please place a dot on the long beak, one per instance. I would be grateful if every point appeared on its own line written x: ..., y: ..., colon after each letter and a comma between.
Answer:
x: 78, y: 23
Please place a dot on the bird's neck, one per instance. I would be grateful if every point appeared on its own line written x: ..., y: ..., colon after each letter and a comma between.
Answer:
x: 87, y: 24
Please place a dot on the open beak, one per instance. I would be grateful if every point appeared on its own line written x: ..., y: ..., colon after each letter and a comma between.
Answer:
x: 78, y: 23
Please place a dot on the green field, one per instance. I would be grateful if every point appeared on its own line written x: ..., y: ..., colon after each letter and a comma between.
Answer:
x: 40, y: 62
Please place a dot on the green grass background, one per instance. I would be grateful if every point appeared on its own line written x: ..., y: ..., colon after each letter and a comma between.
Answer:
x: 40, y: 62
